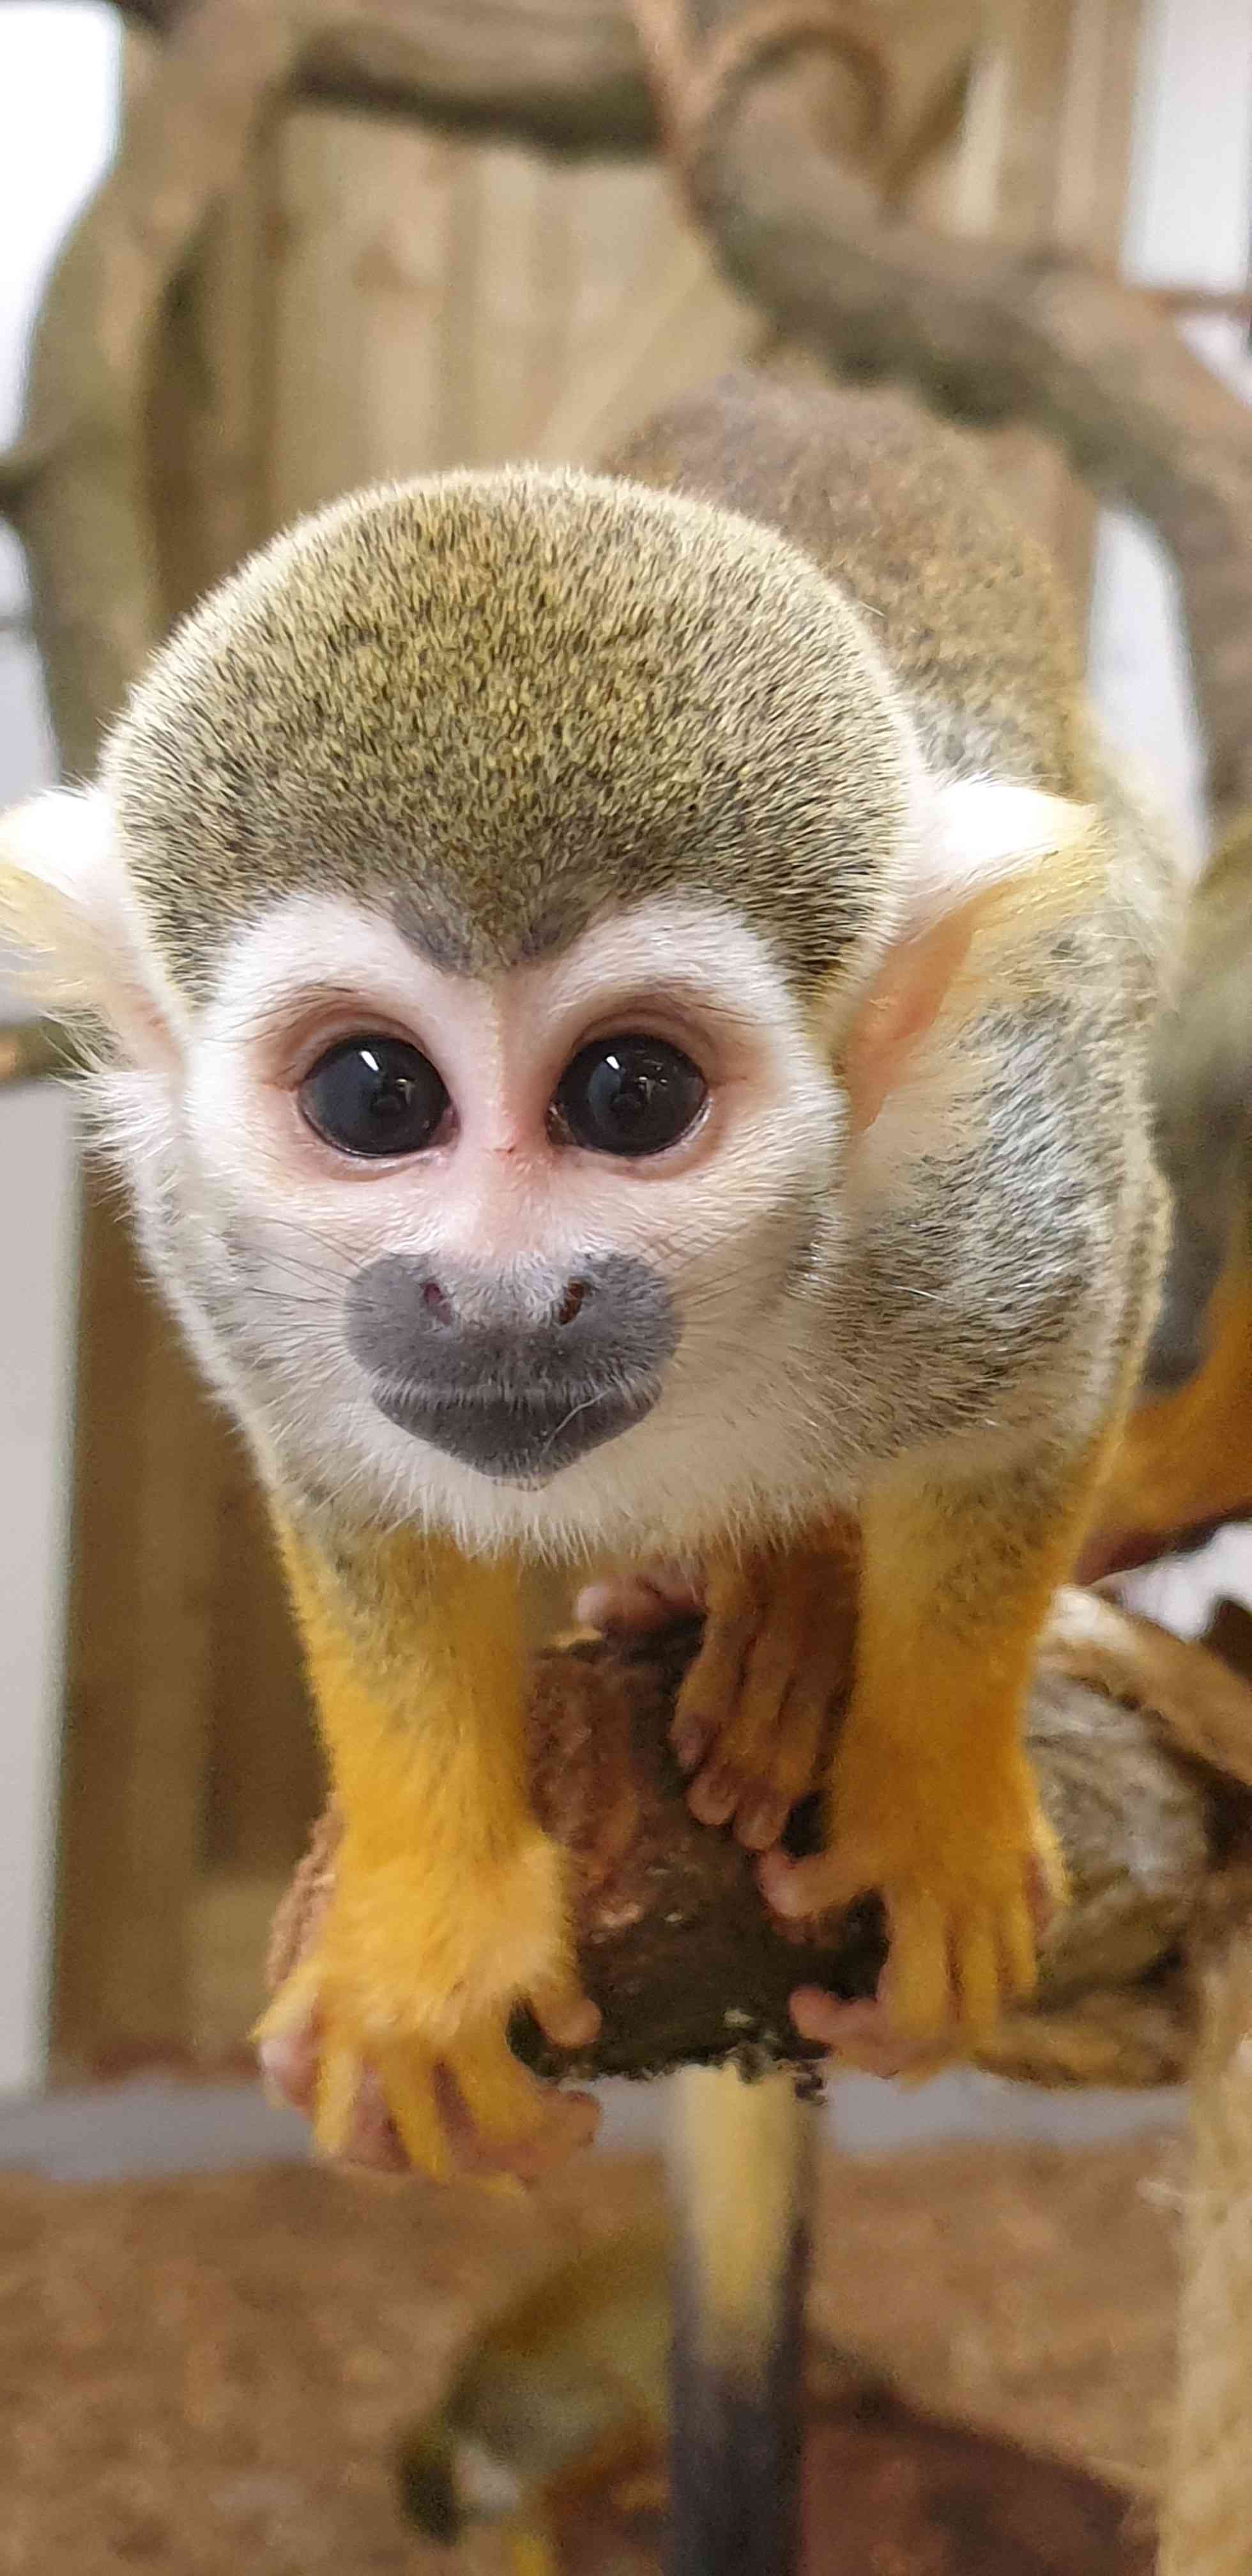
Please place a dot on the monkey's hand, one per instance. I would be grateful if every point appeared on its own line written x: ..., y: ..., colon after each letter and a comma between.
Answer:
x: 932, y: 1799
x: 389, y: 2024
x: 755, y: 1711
x: 448, y: 1904
x: 963, y: 1859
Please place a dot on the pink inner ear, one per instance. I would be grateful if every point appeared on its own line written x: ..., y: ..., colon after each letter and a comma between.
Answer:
x: 902, y: 1004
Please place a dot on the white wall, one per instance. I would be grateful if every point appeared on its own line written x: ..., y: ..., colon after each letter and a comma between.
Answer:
x: 58, y: 81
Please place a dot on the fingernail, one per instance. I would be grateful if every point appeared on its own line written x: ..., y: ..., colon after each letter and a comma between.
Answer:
x: 688, y: 1737
x: 760, y: 1828
x: 714, y: 1797
x: 778, y: 1885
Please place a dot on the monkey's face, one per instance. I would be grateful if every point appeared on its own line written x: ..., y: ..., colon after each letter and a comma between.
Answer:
x: 510, y: 893
x: 526, y: 1251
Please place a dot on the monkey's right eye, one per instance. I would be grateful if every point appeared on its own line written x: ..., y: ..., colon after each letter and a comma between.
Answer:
x: 375, y: 1096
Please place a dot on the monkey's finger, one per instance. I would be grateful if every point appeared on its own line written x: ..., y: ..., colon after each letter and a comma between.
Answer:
x: 715, y: 1794
x: 335, y: 2098
x: 1018, y: 1928
x: 713, y: 1684
x: 916, y: 1984
x: 761, y: 1818
x: 564, y: 2013
x: 975, y: 1968
x: 509, y: 2107
x: 501, y: 2119
x: 710, y: 1690
x: 824, y: 1885
x: 793, y: 1771
x: 860, y: 2035
x: 288, y: 2064
x: 406, y: 2074
x: 567, y: 2129
x: 638, y: 1600
x: 293, y: 2010
x: 371, y: 2142
x: 1047, y: 1886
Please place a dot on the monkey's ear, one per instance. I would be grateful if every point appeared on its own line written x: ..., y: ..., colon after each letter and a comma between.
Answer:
x: 63, y: 905
x: 997, y: 855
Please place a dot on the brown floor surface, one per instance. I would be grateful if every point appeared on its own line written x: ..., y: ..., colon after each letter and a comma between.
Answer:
x: 206, y: 2375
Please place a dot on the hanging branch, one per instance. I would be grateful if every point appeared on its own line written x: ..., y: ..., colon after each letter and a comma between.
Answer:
x: 565, y: 75
x: 749, y: 97
x: 557, y: 73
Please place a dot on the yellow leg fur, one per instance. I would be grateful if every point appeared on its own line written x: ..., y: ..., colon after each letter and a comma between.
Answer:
x: 932, y: 1800
x: 448, y: 1905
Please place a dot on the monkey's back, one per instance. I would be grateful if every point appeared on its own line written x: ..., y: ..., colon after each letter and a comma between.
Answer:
x: 961, y: 603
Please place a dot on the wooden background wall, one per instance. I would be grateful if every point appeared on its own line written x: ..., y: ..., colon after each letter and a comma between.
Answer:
x: 383, y: 300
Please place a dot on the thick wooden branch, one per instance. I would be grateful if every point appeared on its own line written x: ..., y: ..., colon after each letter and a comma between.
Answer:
x: 565, y: 75
x: 1143, y: 1750
x: 984, y: 333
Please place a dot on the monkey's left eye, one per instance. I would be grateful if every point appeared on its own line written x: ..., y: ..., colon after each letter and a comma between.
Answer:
x: 375, y: 1096
x: 628, y: 1095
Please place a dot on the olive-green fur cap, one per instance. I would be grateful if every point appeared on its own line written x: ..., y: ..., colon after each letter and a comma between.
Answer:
x: 497, y: 702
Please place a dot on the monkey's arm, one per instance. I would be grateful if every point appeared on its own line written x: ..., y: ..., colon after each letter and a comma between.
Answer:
x: 449, y: 1902
x: 932, y: 1800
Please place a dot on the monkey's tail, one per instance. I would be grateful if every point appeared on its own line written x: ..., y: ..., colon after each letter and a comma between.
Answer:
x: 741, y: 2161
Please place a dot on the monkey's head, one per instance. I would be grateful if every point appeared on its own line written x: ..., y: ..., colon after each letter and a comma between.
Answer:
x: 512, y: 898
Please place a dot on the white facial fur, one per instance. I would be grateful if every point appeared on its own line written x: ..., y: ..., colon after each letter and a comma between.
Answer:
x: 795, y: 1265
x: 274, y: 1222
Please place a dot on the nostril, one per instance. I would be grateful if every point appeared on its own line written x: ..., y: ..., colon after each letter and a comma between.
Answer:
x: 573, y: 1301
x: 436, y: 1301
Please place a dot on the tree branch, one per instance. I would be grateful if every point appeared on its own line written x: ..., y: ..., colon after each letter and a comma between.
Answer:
x: 984, y: 333
x: 76, y: 490
x: 565, y: 75
x: 1143, y: 1751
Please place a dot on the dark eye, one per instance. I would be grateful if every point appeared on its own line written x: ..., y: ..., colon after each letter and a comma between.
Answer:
x: 374, y: 1096
x: 629, y: 1095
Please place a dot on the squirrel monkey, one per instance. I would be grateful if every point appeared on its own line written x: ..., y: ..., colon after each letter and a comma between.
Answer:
x: 583, y: 2375
x: 568, y: 2382
x: 628, y: 1002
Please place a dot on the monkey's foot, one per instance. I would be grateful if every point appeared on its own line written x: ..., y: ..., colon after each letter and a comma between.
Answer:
x: 968, y: 1883
x: 755, y: 1709
x: 398, y: 2045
